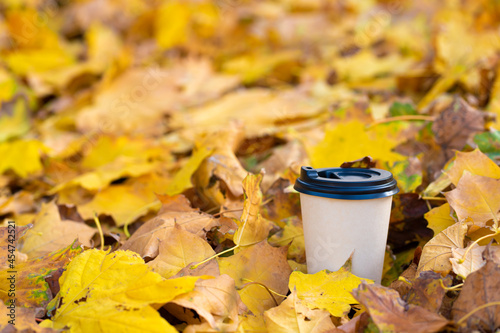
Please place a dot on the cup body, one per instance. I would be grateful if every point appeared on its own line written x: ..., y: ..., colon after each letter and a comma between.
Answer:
x: 346, y: 211
x: 336, y: 228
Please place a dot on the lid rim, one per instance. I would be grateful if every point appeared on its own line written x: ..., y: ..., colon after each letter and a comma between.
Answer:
x: 358, y: 183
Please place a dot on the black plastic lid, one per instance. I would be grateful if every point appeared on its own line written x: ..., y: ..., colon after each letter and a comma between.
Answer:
x: 346, y: 183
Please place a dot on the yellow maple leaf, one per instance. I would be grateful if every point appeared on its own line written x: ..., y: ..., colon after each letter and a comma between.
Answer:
x: 50, y: 233
x: 476, y: 197
x: 294, y: 316
x: 258, y: 264
x: 178, y: 249
x: 325, y: 290
x: 476, y: 163
x: 439, y: 218
x: 350, y: 141
x: 113, y: 292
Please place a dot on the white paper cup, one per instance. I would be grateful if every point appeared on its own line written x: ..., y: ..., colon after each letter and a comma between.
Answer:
x: 346, y: 211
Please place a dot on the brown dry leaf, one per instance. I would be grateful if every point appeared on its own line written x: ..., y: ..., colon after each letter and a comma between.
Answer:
x: 365, y: 162
x: 280, y: 204
x: 476, y: 197
x: 252, y: 228
x: 292, y: 153
x: 23, y: 320
x: 31, y: 288
x: 215, y: 300
x: 20, y: 202
x: 10, y: 236
x: 292, y: 315
x: 476, y: 163
x: 176, y: 210
x: 456, y: 124
x: 402, y: 286
x: 177, y: 249
x: 427, y: 291
x: 391, y: 313
x: 480, y: 289
x: 463, y: 266
x: 437, y: 253
x: 255, y: 265
x: 222, y: 165
x: 50, y: 233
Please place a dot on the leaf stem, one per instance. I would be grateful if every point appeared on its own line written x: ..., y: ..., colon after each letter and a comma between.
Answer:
x: 434, y: 198
x: 497, y: 232
x: 458, y: 286
x: 272, y: 291
x: 476, y: 310
x: 214, y: 256
x: 402, y: 118
x: 101, y: 235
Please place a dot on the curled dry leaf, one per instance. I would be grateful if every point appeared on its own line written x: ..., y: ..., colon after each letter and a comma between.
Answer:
x: 391, y: 313
x: 436, y: 254
x: 252, y: 228
x: 478, y: 306
x: 176, y: 210
x: 428, y: 290
x: 222, y: 165
x: 476, y: 197
x: 292, y: 315
x: 215, y: 300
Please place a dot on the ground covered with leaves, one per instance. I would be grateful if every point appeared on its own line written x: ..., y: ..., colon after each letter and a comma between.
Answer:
x: 148, y: 151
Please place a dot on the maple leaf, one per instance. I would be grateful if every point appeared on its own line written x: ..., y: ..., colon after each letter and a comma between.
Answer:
x: 330, y: 291
x: 480, y: 290
x: 31, y: 288
x: 439, y: 218
x: 256, y: 268
x: 216, y: 300
x: 474, y: 162
x: 390, y: 313
x: 176, y: 210
x: 476, y: 197
x: 293, y: 316
x: 177, y: 250
x: 50, y: 233
x: 90, y: 289
x: 437, y: 253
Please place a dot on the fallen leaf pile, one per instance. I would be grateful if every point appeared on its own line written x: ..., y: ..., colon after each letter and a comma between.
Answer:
x: 148, y: 151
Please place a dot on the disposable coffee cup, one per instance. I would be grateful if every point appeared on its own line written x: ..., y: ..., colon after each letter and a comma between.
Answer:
x: 346, y: 211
